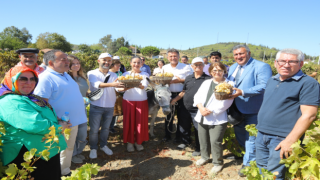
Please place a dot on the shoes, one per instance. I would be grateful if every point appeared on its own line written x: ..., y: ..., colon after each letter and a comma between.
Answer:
x: 240, y: 173
x: 93, y: 154
x: 182, y: 146
x: 130, y: 147
x: 196, y: 153
x: 106, y: 150
x: 76, y: 159
x: 233, y: 157
x: 216, y: 169
x: 166, y: 139
x: 201, y: 162
x: 139, y: 147
x: 69, y: 174
x: 81, y: 156
x: 112, y: 131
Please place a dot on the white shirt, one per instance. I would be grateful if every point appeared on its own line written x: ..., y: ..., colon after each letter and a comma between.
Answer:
x: 108, y: 97
x: 182, y: 71
x: 157, y: 70
x: 218, y: 107
x: 63, y: 94
x: 206, y: 69
x: 233, y: 76
x: 137, y: 94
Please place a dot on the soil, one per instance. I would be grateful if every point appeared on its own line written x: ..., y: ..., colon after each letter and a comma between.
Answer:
x: 158, y: 160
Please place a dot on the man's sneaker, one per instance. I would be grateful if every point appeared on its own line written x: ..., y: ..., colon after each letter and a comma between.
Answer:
x: 130, y: 147
x: 106, y: 150
x: 139, y: 147
x: 81, y: 156
x: 216, y: 169
x: 93, y: 154
x: 181, y: 146
x: 201, y: 162
x: 196, y: 153
x: 76, y: 159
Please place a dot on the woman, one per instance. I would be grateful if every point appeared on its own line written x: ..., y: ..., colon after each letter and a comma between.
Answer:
x: 115, y: 67
x: 135, y: 109
x: 27, y: 118
x: 212, y: 117
x: 78, y: 75
x: 159, y: 68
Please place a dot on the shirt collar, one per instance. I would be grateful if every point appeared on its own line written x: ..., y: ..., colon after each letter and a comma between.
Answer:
x: 296, y: 77
x: 202, y: 76
x: 54, y: 72
x: 246, y: 63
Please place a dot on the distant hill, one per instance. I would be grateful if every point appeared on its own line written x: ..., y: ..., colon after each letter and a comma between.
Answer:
x: 257, y: 51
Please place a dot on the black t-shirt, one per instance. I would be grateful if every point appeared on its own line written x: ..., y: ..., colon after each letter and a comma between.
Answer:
x: 191, y: 86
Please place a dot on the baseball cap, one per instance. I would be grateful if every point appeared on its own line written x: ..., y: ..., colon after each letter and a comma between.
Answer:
x: 197, y: 59
x: 103, y: 55
x: 116, y: 58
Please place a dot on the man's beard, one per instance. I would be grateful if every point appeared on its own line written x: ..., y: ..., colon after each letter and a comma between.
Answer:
x: 105, y: 67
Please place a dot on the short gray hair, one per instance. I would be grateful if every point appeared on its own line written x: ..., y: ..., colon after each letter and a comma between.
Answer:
x: 241, y: 46
x: 300, y: 55
x: 50, y: 55
x: 173, y: 50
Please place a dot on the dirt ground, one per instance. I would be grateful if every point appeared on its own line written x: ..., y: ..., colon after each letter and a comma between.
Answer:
x: 158, y: 160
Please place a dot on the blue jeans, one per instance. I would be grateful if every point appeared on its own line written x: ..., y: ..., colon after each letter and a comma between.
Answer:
x: 246, y: 141
x: 99, y: 116
x: 267, y: 157
x: 81, y: 139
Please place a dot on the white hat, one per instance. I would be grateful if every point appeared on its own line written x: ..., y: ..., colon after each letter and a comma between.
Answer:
x: 103, y: 55
x: 116, y: 57
x: 197, y: 59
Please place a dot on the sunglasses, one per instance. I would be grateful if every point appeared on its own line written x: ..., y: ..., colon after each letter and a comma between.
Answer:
x: 25, y: 79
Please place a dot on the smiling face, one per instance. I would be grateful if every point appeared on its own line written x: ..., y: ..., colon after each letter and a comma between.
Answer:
x: 160, y: 64
x: 75, y: 65
x: 288, y: 70
x: 136, y: 64
x: 104, y: 63
x: 29, y: 59
x: 217, y: 73
x: 197, y: 67
x: 26, y: 82
x: 241, y: 56
x: 173, y: 58
x: 61, y: 63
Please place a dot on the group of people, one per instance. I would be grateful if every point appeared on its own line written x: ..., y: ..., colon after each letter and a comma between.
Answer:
x: 34, y: 98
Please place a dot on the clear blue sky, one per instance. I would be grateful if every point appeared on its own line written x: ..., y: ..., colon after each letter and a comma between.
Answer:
x: 179, y: 24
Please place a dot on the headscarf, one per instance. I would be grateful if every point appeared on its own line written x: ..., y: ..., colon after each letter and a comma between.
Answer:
x: 10, y: 80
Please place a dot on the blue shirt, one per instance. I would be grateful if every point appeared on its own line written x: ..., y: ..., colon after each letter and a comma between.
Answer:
x: 280, y: 108
x: 145, y: 68
x: 63, y: 94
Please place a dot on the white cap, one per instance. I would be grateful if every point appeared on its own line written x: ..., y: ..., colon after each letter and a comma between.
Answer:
x: 116, y: 57
x: 103, y: 55
x: 197, y: 59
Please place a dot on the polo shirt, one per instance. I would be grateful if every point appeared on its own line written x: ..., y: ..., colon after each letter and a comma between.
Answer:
x: 182, y: 71
x: 63, y: 94
x: 280, y: 108
x: 145, y: 68
x: 108, y: 98
x: 191, y: 86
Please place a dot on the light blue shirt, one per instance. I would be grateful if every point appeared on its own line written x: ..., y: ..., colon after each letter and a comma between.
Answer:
x: 145, y: 68
x: 63, y: 94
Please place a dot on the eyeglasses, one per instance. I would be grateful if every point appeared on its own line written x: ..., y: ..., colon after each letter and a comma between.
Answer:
x: 290, y: 62
x: 197, y: 65
x: 25, y: 79
x: 217, y: 71
x: 142, y: 59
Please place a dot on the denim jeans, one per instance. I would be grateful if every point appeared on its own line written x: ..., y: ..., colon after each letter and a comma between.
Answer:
x: 99, y: 116
x: 246, y: 141
x: 81, y: 139
x: 113, y: 122
x: 267, y: 157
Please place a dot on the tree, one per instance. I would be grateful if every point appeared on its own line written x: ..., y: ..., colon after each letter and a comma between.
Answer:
x: 84, y: 48
x: 11, y: 43
x: 113, y: 46
x: 53, y: 41
x: 105, y: 41
x: 124, y: 51
x: 150, y: 51
x: 22, y: 34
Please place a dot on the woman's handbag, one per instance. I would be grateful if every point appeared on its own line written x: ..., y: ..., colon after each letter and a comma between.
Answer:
x: 234, y: 115
x: 95, y: 95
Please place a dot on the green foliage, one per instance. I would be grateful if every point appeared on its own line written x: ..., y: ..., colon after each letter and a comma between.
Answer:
x: 231, y: 143
x: 253, y: 131
x: 84, y: 172
x: 124, y: 51
x: 14, y: 38
x: 112, y: 46
x: 53, y: 41
x: 252, y: 172
x: 84, y: 48
x: 150, y: 51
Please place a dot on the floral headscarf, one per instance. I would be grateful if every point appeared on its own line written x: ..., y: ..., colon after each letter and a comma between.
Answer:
x: 10, y: 80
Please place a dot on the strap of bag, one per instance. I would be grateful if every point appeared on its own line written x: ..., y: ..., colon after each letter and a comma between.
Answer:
x: 107, y: 78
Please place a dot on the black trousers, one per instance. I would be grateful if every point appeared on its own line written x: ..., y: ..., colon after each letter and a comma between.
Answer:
x: 48, y: 170
x: 184, y: 121
x: 193, y: 114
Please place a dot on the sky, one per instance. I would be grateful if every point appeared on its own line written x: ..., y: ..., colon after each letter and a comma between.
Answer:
x: 172, y: 23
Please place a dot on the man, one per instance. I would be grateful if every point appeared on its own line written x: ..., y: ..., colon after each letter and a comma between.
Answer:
x: 191, y: 85
x: 63, y: 94
x: 184, y: 60
x: 290, y: 104
x: 29, y: 58
x: 250, y: 77
x: 101, y: 110
x: 144, y: 67
x: 180, y: 72
x: 206, y: 66
x: 122, y: 68
x: 216, y: 57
